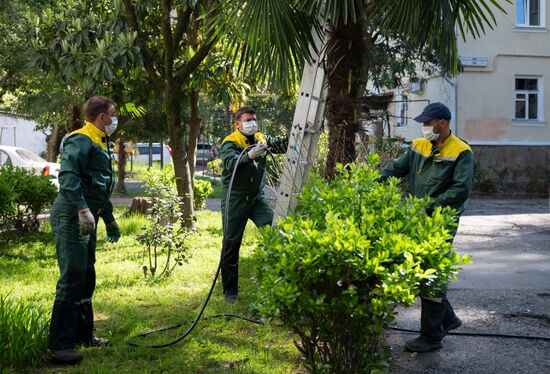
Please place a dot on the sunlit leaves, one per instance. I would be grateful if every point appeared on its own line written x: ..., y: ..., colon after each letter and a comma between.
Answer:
x: 334, y: 270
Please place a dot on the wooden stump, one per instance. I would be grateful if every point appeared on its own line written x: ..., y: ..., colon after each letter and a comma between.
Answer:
x: 140, y: 205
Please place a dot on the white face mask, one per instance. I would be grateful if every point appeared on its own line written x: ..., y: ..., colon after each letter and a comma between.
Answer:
x: 428, y: 132
x: 249, y: 128
x: 109, y: 130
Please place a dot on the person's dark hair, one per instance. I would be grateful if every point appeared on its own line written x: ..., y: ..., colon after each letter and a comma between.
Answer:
x: 244, y: 110
x: 97, y: 105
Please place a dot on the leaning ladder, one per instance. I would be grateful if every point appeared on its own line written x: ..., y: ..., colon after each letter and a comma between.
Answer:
x: 304, y: 134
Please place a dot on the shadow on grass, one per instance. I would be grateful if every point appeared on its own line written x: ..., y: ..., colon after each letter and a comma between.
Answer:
x: 34, y: 246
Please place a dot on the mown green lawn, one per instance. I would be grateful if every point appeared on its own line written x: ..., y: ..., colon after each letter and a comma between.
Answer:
x: 125, y: 304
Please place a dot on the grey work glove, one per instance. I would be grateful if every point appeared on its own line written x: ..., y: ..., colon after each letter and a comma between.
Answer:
x: 113, y: 232
x: 86, y: 221
x: 257, y: 151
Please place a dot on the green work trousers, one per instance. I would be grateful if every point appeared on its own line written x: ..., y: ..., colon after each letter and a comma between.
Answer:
x: 437, y: 312
x: 72, y: 314
x: 240, y: 210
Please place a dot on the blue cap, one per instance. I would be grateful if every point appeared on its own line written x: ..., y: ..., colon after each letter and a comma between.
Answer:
x: 434, y: 111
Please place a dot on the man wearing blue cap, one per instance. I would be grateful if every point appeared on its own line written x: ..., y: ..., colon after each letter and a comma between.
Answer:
x: 441, y: 166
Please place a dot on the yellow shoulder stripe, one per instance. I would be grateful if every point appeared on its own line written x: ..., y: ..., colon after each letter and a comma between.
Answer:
x: 422, y: 146
x: 453, y: 147
x: 238, y: 138
x: 449, y: 150
x: 96, y: 135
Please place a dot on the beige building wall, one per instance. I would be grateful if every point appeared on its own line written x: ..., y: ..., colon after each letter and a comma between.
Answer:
x: 482, y: 98
x: 486, y: 95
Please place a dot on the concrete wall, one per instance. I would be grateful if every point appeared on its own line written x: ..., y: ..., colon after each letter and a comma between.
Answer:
x: 512, y: 171
x: 485, y: 102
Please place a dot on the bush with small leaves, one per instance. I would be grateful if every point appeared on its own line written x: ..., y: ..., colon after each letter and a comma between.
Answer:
x: 23, y: 195
x: 201, y: 190
x: 216, y: 166
x: 164, y: 239
x: 335, y: 269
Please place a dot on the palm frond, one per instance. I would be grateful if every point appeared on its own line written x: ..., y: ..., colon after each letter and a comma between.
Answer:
x: 268, y: 39
x: 435, y: 23
x: 132, y: 110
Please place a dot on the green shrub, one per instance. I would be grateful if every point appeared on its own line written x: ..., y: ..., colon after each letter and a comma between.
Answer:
x: 23, y: 333
x: 335, y: 269
x: 321, y: 155
x: 201, y: 190
x: 165, y: 240
x: 23, y: 195
x: 216, y: 166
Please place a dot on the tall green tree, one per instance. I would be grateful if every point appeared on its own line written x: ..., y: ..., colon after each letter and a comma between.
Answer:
x: 92, y: 55
x: 181, y: 54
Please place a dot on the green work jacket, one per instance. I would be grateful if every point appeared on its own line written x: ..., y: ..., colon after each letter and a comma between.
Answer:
x: 86, y: 178
x: 250, y: 175
x: 445, y: 174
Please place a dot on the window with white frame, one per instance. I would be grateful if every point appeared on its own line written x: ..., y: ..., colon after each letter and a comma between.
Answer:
x: 401, y: 111
x: 530, y: 13
x: 528, y: 98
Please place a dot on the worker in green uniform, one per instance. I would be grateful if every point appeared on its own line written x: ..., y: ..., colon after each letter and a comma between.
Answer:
x: 247, y: 199
x: 441, y: 166
x: 85, y: 184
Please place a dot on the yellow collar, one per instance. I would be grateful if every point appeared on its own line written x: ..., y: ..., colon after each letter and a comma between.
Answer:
x: 240, y: 139
x: 451, y: 148
x: 96, y: 135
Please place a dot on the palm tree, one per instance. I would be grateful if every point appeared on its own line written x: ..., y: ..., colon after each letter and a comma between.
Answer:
x: 273, y: 37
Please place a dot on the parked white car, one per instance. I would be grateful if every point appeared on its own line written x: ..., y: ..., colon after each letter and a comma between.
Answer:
x: 22, y: 157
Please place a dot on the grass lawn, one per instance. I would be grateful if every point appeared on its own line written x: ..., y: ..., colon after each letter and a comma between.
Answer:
x: 125, y: 304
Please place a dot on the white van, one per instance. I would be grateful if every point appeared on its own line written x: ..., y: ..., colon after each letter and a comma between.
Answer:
x: 205, y: 153
x: 142, y: 152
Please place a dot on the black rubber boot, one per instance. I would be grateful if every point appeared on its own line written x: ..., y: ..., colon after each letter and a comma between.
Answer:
x: 230, y: 268
x: 422, y: 344
x: 431, y: 319
x: 66, y: 356
x: 431, y: 327
x: 450, y: 320
x: 86, y: 323
x: 64, y: 325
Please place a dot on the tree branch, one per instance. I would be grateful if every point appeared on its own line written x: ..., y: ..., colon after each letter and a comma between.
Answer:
x: 185, y: 71
x: 140, y: 42
x: 181, y: 26
x: 168, y: 42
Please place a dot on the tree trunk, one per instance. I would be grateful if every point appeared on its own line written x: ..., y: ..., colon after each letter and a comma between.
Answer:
x: 194, y: 131
x: 347, y: 67
x: 228, y: 119
x: 172, y: 103
x: 53, y: 142
x: 139, y: 205
x: 121, y: 163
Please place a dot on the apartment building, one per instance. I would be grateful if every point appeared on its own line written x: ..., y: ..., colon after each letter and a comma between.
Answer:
x: 500, y: 103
